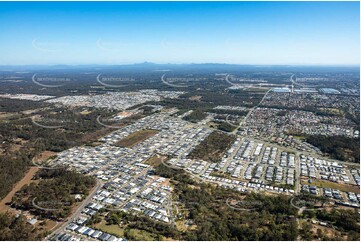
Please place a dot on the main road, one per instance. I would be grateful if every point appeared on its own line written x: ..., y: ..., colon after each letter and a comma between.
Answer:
x: 78, y: 211
x: 252, y: 109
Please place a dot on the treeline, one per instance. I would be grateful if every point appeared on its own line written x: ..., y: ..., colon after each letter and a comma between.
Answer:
x: 158, y: 229
x: 175, y: 175
x: 76, y: 130
x: 338, y: 147
x: 16, y: 105
x: 12, y: 169
x: 14, y: 228
x: 224, y: 126
x: 267, y: 218
x: 71, y: 125
x: 185, y: 103
x: 273, y: 219
x: 346, y: 220
x: 196, y: 116
x: 231, y: 112
x: 314, y: 109
x: 54, y: 195
x: 213, y: 97
x: 213, y: 147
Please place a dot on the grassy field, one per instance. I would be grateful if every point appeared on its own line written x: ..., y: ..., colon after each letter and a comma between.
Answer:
x: 155, y: 160
x: 332, y: 185
x: 221, y: 174
x: 136, y: 138
x: 181, y: 226
x: 136, y: 234
x: 111, y: 229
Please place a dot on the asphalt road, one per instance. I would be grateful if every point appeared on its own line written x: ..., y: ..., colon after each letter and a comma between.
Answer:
x: 77, y: 212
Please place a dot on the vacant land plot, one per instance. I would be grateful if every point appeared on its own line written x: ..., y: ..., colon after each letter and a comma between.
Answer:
x: 182, y: 225
x: 213, y: 147
x: 332, y: 185
x: 136, y: 137
x: 5, y: 115
x: 156, y: 160
x: 43, y: 156
x: 110, y: 228
x: 195, y: 98
x: 137, y: 234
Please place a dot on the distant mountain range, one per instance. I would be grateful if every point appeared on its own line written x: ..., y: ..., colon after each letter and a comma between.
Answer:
x: 215, y: 67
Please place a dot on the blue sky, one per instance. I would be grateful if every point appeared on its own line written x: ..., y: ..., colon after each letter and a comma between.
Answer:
x: 322, y: 33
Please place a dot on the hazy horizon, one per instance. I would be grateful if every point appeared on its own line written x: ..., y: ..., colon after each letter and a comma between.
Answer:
x: 121, y: 33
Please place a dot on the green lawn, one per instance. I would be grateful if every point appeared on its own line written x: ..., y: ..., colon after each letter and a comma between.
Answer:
x: 333, y: 185
x: 136, y: 234
x: 111, y: 229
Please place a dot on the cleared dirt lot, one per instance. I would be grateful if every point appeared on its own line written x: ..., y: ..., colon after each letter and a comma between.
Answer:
x: 156, y: 160
x: 136, y: 138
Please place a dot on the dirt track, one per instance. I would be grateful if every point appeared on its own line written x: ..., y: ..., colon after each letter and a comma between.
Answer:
x: 26, y: 180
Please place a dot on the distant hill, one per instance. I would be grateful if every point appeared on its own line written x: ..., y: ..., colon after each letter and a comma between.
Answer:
x: 214, y: 67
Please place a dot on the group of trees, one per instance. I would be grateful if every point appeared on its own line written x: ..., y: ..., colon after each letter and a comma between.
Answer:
x: 224, y: 126
x: 16, y: 228
x: 230, y: 112
x: 347, y: 221
x: 215, y: 220
x: 212, y: 96
x: 54, y: 195
x: 139, y: 222
x: 175, y: 175
x: 16, y: 105
x: 339, y: 147
x: 12, y: 169
x: 213, y: 147
x: 76, y: 129
x: 267, y: 217
x: 196, y: 116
